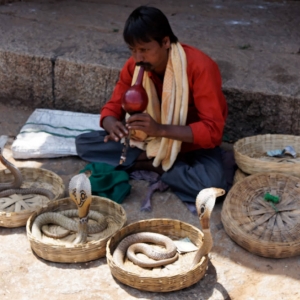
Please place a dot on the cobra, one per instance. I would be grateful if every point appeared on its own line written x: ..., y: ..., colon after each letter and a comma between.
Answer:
x: 205, y: 203
x: 131, y: 244
x: 14, y: 187
x: 80, y: 193
x: 134, y: 243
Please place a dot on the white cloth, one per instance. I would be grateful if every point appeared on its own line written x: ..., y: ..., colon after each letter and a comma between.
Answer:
x: 51, y: 133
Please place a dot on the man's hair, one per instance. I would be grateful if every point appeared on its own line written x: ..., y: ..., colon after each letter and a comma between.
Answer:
x: 147, y: 23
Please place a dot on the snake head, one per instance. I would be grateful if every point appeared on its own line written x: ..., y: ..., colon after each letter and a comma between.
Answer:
x: 80, y: 192
x: 205, y: 203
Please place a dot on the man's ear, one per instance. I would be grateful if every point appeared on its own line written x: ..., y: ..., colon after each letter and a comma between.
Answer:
x: 166, y: 42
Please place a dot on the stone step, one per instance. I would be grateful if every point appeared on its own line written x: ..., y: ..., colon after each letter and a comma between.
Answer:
x: 67, y: 55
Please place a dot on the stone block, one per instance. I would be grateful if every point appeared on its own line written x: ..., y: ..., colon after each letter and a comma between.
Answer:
x: 82, y: 87
x: 258, y: 113
x: 27, y: 78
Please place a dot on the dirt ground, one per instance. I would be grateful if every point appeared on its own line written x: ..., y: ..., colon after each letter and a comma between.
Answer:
x: 233, y: 273
x: 256, y: 46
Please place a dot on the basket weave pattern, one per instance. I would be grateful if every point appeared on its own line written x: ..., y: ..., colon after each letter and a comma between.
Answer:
x: 238, y: 176
x: 155, y: 280
x: 32, y: 178
x: 250, y: 154
x: 257, y: 225
x: 92, y: 249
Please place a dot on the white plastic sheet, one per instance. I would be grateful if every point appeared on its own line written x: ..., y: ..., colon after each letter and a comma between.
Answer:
x: 51, y: 133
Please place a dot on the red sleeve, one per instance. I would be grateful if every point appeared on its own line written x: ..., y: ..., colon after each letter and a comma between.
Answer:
x: 114, y: 105
x: 209, y: 103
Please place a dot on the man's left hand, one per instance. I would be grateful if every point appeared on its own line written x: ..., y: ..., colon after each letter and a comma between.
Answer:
x: 145, y: 123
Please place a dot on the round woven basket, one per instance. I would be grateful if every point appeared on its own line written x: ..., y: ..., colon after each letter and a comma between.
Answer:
x: 22, y: 206
x: 173, y: 277
x: 262, y: 227
x: 62, y: 250
x: 250, y: 154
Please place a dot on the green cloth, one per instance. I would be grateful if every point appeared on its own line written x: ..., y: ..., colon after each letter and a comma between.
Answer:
x: 108, y: 182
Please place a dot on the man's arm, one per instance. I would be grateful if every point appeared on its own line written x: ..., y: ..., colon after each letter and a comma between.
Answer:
x: 210, y: 105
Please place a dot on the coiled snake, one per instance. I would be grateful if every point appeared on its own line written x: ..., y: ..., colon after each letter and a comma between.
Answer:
x: 132, y: 244
x: 14, y: 187
x: 80, y: 193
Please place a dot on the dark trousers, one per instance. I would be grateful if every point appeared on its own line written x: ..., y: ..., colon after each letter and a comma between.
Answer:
x: 197, y: 170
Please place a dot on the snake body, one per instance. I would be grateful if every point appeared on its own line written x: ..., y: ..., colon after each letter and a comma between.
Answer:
x: 14, y: 187
x: 205, y: 203
x: 64, y: 220
x: 135, y: 243
x: 80, y: 193
x: 131, y: 244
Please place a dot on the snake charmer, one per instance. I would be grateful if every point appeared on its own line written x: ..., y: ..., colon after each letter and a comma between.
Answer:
x: 179, y: 134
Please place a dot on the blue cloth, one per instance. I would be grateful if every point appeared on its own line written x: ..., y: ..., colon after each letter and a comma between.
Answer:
x: 91, y: 147
x: 202, y: 169
x: 199, y: 169
x: 155, y: 184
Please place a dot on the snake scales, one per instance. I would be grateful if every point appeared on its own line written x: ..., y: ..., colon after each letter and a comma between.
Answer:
x: 135, y: 243
x: 14, y: 187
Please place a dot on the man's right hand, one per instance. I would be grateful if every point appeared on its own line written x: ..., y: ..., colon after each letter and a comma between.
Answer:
x: 115, y: 128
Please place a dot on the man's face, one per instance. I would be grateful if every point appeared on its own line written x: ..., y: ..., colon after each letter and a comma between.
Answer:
x: 152, y: 56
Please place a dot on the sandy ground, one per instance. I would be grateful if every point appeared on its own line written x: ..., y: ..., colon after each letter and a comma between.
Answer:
x: 233, y: 272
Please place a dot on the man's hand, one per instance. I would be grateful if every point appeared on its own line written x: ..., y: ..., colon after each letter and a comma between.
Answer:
x: 145, y: 123
x: 115, y: 128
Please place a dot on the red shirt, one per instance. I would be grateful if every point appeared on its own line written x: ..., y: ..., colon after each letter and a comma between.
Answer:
x: 207, y: 107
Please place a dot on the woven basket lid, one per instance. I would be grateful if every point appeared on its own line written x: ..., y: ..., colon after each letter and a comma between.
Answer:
x: 265, y: 228
x: 16, y: 209
x: 251, y: 154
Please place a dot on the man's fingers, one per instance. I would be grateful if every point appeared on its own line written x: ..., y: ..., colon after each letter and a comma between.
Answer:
x: 120, y: 130
x: 111, y: 137
x: 138, y: 117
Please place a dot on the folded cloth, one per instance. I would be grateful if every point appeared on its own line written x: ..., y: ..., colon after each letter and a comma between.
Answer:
x: 172, y: 109
x: 230, y: 167
x: 108, y: 182
x: 288, y: 150
x: 51, y: 133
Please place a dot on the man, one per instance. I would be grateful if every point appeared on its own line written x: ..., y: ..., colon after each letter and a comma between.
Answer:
x: 183, y: 124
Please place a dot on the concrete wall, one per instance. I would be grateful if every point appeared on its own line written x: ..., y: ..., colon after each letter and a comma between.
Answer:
x: 67, y: 55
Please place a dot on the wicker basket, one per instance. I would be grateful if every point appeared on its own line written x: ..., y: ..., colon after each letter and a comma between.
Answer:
x: 250, y: 154
x: 239, y: 175
x: 159, y: 279
x: 64, y: 251
x: 16, y: 215
x: 264, y: 228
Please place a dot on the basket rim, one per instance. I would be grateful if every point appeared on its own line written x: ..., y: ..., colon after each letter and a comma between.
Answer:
x: 252, y: 165
x: 240, y: 142
x: 27, y: 212
x: 31, y: 168
x: 32, y: 217
x: 236, y: 230
x: 157, y: 283
x: 132, y: 225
